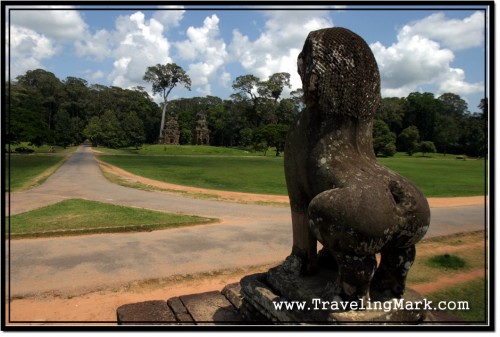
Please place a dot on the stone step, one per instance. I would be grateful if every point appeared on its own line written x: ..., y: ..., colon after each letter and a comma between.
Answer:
x: 207, y: 308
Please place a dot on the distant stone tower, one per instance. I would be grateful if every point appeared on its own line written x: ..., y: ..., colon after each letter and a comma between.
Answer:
x: 202, y: 134
x: 171, y: 131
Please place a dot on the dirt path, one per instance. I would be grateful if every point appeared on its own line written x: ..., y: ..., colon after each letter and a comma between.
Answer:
x: 99, y: 306
x: 251, y: 197
x: 248, y: 235
x: 444, y: 281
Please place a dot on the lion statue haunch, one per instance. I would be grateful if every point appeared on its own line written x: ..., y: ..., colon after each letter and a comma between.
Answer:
x: 339, y: 194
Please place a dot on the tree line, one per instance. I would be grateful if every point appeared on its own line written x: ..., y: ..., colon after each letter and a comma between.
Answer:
x: 46, y: 110
x: 423, y: 123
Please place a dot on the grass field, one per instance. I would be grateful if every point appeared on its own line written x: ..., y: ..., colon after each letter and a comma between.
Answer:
x: 29, y: 170
x: 242, y: 174
x: 473, y: 292
x: 437, y: 176
x: 468, y: 247
x: 77, y: 217
x: 184, y: 150
x: 440, y: 176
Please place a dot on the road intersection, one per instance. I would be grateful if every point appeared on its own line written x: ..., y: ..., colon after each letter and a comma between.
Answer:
x: 247, y: 235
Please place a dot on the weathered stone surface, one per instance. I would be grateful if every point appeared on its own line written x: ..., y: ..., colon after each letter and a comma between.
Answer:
x: 149, y: 312
x: 210, y: 308
x: 171, y: 131
x: 246, y: 310
x: 233, y: 294
x: 339, y: 194
x: 179, y: 310
x: 302, y: 287
x: 202, y: 133
x: 258, y: 293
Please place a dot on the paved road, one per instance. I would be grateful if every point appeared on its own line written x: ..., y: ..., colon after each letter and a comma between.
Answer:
x: 247, y: 235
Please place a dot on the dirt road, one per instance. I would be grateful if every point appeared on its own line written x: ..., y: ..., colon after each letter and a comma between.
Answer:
x: 247, y: 235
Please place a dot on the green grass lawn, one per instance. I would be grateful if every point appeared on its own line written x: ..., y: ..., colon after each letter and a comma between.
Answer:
x: 440, y: 176
x: 473, y: 292
x: 472, y: 254
x: 184, y: 150
x: 30, y: 170
x: 437, y: 176
x: 242, y: 174
x: 77, y: 217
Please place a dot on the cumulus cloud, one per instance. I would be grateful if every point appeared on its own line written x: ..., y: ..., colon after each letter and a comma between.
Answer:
x: 134, y: 43
x: 137, y: 43
x: 277, y: 47
x: 59, y: 24
x: 455, y: 82
x: 97, y: 46
x: 169, y: 16
x: 39, y: 34
x: 416, y: 59
x: 27, y: 49
x: 451, y: 33
x: 206, y: 50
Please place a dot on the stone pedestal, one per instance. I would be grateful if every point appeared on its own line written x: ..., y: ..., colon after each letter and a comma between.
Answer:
x: 259, y: 299
x: 196, y: 309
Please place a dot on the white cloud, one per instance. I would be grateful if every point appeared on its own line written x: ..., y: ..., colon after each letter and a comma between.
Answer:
x: 203, y: 45
x: 97, y: 45
x: 224, y: 79
x: 39, y: 34
x: 278, y: 46
x: 96, y: 75
x: 455, y: 83
x: 27, y: 49
x: 416, y: 59
x: 169, y: 16
x: 60, y: 24
x: 136, y: 44
x: 451, y: 33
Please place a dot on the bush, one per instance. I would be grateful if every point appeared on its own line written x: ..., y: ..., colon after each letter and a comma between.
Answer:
x: 446, y: 261
x: 426, y: 147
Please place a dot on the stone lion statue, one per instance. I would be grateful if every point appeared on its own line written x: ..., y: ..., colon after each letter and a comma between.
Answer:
x: 339, y: 194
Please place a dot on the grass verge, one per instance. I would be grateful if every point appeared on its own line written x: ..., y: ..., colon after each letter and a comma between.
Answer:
x: 473, y: 292
x: 77, y: 217
x: 437, y: 177
x: 28, y: 171
x: 263, y: 175
x: 473, y: 256
x: 435, y: 278
x: 184, y: 150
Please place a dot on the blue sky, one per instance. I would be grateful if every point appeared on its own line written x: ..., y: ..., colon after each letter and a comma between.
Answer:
x: 437, y: 49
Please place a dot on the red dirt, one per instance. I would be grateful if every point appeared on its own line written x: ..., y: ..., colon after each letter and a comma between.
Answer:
x: 100, y: 306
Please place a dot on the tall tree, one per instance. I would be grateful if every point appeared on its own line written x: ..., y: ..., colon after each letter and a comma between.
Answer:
x: 453, y: 105
x: 165, y: 77
x: 408, y: 140
x: 447, y: 133
x: 483, y: 105
x: 421, y: 110
x: 384, y: 141
x: 49, y: 90
x: 93, y: 131
x: 64, y: 128
x: 274, y: 86
x: 134, y: 129
x: 392, y: 111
